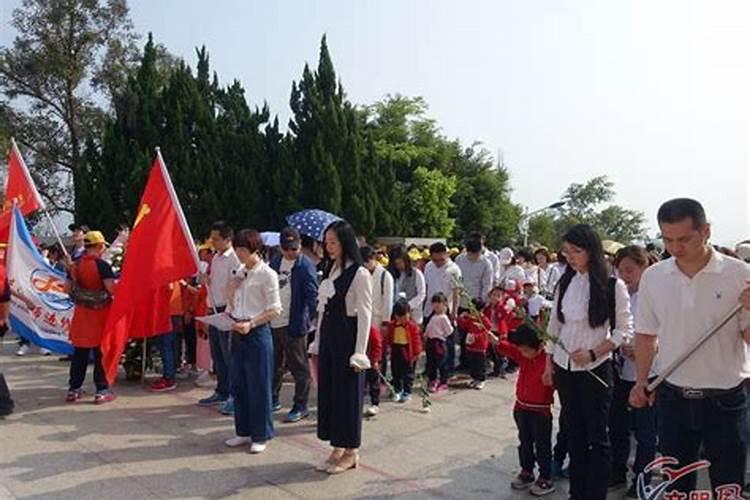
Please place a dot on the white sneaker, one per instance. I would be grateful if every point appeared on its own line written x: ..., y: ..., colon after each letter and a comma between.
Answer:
x: 23, y: 350
x: 396, y: 397
x: 256, y: 448
x: 478, y: 385
x: 372, y: 411
x: 238, y: 441
x: 205, y: 380
x: 45, y: 352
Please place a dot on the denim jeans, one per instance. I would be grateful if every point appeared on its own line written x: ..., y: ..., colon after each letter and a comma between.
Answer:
x: 623, y: 418
x: 252, y: 377
x: 219, y: 343
x: 716, y: 422
x: 168, y: 349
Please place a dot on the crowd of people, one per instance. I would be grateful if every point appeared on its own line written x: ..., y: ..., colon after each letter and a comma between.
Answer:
x: 354, y: 320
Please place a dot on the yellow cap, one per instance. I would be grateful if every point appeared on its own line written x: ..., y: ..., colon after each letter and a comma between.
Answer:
x: 415, y: 254
x: 425, y: 254
x: 94, y: 238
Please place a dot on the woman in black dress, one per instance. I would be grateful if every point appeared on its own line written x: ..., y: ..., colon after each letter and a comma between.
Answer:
x: 345, y: 308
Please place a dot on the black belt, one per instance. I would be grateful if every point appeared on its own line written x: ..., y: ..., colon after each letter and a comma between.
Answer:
x: 694, y: 393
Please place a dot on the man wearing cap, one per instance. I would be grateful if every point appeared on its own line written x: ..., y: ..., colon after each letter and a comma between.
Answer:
x: 298, y: 288
x: 701, y: 404
x: 79, y: 248
x: 91, y: 286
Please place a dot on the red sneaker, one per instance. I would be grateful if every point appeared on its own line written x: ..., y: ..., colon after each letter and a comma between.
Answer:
x: 104, y: 397
x: 73, y: 396
x: 163, y: 385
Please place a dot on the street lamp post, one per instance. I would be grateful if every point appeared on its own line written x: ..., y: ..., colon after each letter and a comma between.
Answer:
x: 524, y: 226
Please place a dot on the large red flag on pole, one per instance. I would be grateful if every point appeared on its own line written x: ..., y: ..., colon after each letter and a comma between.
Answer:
x: 160, y: 251
x: 20, y: 189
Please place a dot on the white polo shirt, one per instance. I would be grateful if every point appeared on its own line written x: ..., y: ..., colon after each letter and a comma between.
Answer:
x: 440, y: 279
x: 679, y: 310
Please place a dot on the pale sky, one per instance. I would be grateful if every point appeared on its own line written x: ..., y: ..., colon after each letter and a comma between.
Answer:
x: 654, y: 94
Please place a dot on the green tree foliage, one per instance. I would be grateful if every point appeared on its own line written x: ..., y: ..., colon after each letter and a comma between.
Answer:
x: 427, y: 204
x: 589, y: 203
x: 66, y: 58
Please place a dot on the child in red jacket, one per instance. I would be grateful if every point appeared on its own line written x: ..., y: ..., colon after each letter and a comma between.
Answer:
x: 405, y: 343
x: 372, y: 376
x: 477, y: 341
x: 532, y: 411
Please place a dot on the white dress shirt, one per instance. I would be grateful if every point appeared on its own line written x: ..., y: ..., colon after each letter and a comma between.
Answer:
x: 678, y: 310
x: 221, y: 269
x: 382, y: 295
x: 256, y: 293
x: 358, y: 303
x: 576, y: 333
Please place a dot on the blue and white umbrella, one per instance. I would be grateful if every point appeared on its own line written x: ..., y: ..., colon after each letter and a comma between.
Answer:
x: 270, y: 239
x: 312, y: 223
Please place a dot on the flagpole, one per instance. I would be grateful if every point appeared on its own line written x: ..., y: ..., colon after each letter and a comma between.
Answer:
x: 57, y: 234
x: 143, y: 362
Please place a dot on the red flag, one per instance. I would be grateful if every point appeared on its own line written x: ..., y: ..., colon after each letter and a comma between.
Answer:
x: 19, y: 188
x: 160, y: 251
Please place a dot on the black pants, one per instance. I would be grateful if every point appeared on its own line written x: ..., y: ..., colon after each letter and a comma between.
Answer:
x: 463, y: 359
x: 372, y: 381
x: 561, y: 441
x: 79, y: 364
x: 436, y: 359
x: 622, y: 421
x: 498, y: 362
x: 716, y: 422
x: 477, y: 365
x: 401, y: 369
x: 535, y: 436
x: 291, y: 352
x: 187, y: 335
x: 585, y: 404
x: 6, y: 402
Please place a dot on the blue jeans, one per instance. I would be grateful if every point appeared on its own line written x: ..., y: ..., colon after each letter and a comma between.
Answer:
x: 716, y: 421
x: 622, y: 418
x: 168, y: 349
x: 252, y: 377
x: 219, y: 343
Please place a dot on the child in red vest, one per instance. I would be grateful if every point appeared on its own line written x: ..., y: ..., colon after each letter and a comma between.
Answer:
x: 372, y: 376
x: 405, y: 343
x: 477, y: 330
x: 532, y: 411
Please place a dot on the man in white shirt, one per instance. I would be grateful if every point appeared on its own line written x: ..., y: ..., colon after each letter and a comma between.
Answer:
x: 702, y: 404
x: 443, y: 275
x: 382, y: 289
x: 224, y: 262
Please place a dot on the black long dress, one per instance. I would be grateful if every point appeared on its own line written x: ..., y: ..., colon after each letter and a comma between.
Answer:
x: 340, y: 388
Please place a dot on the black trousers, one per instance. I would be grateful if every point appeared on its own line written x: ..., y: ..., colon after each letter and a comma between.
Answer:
x: 187, y: 335
x: 477, y: 365
x: 716, y: 423
x: 401, y: 369
x: 6, y: 402
x: 585, y: 406
x: 535, y: 436
x: 561, y: 441
x: 436, y: 359
x: 372, y: 380
x: 291, y: 352
x: 78, y: 365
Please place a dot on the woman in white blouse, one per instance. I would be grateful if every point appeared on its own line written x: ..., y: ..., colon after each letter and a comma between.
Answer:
x: 254, y: 302
x: 344, y: 316
x: 591, y: 317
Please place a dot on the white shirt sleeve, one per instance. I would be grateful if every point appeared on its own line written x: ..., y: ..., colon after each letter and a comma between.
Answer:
x: 271, y: 292
x: 418, y: 301
x: 623, y: 317
x: 362, y: 290
x: 387, y: 296
x: 646, y: 321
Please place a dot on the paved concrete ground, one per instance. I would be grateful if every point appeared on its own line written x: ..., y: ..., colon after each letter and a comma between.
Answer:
x: 163, y: 446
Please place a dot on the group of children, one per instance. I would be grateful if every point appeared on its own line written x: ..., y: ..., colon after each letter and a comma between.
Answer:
x: 493, y: 331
